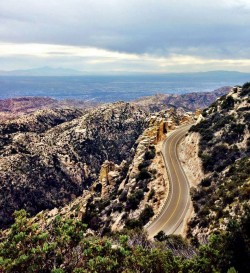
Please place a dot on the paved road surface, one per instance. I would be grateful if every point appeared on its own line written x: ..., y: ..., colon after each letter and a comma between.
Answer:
x: 177, y: 203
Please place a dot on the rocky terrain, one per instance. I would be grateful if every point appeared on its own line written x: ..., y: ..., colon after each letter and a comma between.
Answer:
x: 11, y: 108
x: 14, y: 107
x: 97, y: 178
x: 189, y: 102
x: 48, y: 158
x: 222, y: 160
x: 131, y: 193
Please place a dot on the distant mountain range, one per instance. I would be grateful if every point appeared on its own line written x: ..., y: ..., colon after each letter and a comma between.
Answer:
x: 60, y: 71
x: 43, y: 71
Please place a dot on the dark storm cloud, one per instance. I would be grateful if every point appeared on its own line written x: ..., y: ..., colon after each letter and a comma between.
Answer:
x: 217, y: 29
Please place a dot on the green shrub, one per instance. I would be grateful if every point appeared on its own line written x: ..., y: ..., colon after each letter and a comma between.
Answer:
x: 150, y: 154
x: 245, y: 89
x: 123, y: 196
x: 143, y: 174
x: 146, y: 214
x: 133, y: 224
x: 134, y: 200
x: 206, y: 182
x: 151, y: 194
x: 228, y: 103
x: 144, y: 164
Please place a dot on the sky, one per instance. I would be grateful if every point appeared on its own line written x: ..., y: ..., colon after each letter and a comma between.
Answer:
x: 126, y: 36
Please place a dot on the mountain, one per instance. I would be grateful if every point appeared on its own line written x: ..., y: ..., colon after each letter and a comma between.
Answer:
x: 13, y: 107
x: 43, y: 71
x: 87, y: 137
x: 189, y: 101
x: 214, y: 75
x: 49, y: 157
x: 223, y: 76
x: 97, y: 177
x: 223, y: 140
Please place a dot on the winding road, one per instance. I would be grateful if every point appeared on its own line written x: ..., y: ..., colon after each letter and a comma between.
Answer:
x: 176, y: 205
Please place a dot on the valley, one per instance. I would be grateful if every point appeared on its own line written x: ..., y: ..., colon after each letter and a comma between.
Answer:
x: 163, y: 173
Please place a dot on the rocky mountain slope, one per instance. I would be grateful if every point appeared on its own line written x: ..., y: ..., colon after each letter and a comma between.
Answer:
x: 224, y: 150
x: 14, y: 107
x: 126, y: 187
x: 11, y: 108
x: 49, y: 157
x: 127, y: 194
x: 189, y: 102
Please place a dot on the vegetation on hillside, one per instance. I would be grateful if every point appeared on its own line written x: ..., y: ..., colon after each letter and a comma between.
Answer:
x: 218, y: 237
x: 224, y: 149
x: 65, y: 246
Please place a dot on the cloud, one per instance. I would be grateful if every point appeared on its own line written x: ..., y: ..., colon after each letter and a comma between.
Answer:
x: 201, y: 29
x: 99, y: 61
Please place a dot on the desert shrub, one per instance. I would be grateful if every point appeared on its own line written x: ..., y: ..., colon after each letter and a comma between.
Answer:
x: 146, y: 214
x: 143, y: 174
x: 98, y: 187
x: 123, y: 196
x: 150, y: 153
x: 134, y: 200
x: 160, y: 236
x: 204, y: 113
x: 228, y: 103
x: 143, y: 185
x: 235, y: 134
x: 245, y: 89
x: 207, y: 135
x: 206, y: 182
x: 118, y: 207
x: 144, y: 164
x: 154, y: 171
x: 219, y: 124
x: 151, y: 194
x: 247, y: 117
x: 201, y: 126
x: 133, y: 224
x: 91, y: 216
x: 207, y: 161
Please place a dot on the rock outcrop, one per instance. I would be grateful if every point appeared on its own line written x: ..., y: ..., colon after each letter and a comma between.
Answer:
x: 129, y: 193
x: 140, y: 191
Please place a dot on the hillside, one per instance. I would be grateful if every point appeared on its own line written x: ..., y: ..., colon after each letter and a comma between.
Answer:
x: 49, y: 157
x: 128, y: 194
x: 189, y: 101
x: 108, y: 168
x: 13, y: 107
x: 224, y: 149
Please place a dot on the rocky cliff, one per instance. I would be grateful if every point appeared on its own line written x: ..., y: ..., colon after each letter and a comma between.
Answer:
x: 48, y: 158
x: 128, y: 194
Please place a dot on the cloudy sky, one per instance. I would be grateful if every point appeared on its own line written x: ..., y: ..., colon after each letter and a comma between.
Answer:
x: 126, y: 36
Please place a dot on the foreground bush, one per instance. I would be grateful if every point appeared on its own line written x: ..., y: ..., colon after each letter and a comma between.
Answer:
x: 65, y: 247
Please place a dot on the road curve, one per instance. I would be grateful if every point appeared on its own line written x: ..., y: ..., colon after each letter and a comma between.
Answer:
x: 176, y: 205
